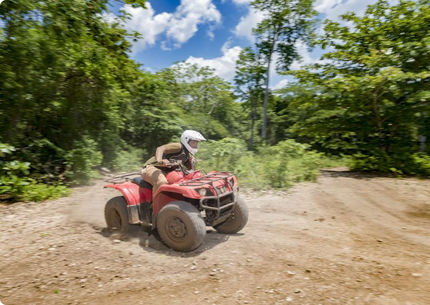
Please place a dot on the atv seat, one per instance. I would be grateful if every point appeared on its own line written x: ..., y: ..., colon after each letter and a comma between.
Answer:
x: 141, y: 183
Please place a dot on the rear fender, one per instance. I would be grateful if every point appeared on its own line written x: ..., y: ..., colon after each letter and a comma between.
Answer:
x: 134, y: 196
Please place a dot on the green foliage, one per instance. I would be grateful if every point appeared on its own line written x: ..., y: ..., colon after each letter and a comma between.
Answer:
x: 15, y: 184
x: 40, y: 192
x: 72, y: 100
x: 277, y: 166
x: 138, y: 3
x: 221, y: 155
x: 371, y: 99
x: 250, y: 78
x: 6, y: 149
x: 421, y: 165
x: 285, y: 23
x: 178, y: 98
x: 412, y: 164
x: 129, y: 159
x: 65, y: 72
x: 11, y: 184
x: 281, y: 166
x: 83, y: 159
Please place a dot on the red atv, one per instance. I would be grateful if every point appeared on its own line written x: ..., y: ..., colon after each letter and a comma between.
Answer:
x: 181, y: 209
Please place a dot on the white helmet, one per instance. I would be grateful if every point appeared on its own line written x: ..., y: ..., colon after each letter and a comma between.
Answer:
x: 188, y: 135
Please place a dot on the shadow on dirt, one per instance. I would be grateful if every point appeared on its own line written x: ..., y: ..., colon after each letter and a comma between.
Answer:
x: 422, y: 212
x: 152, y: 242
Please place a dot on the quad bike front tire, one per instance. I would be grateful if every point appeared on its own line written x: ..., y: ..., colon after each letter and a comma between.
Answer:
x: 116, y: 216
x: 181, y: 226
x: 237, y: 221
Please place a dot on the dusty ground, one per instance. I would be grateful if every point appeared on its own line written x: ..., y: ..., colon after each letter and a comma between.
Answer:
x: 348, y: 239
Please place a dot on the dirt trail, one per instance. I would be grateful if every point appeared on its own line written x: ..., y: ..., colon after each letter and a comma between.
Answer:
x: 348, y: 239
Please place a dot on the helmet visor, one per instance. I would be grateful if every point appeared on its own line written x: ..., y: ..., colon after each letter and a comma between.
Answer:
x: 194, y: 143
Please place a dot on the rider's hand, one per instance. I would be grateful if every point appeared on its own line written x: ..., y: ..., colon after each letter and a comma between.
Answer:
x: 165, y: 162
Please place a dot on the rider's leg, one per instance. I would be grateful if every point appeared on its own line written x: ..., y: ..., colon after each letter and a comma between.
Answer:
x: 154, y: 176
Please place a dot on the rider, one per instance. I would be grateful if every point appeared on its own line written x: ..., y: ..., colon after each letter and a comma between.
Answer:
x: 155, y: 173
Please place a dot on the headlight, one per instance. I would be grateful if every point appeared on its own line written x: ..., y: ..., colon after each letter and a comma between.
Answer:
x: 202, y: 192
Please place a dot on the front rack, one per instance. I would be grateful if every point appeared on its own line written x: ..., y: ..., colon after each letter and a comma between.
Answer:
x: 209, y: 180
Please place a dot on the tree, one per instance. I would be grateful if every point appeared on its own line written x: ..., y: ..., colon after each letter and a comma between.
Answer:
x: 286, y: 22
x: 371, y: 98
x: 288, y: 110
x: 65, y: 76
x: 249, y: 80
x: 205, y: 99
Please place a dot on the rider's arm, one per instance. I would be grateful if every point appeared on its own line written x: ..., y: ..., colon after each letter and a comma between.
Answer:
x: 167, y: 149
x: 159, y: 153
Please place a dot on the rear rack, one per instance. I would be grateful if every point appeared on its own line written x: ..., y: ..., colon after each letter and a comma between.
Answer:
x: 118, y: 179
x: 211, y: 177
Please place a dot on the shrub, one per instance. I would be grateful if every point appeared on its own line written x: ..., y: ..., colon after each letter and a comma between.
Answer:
x: 15, y: 185
x: 222, y: 155
x: 40, y: 192
x: 278, y: 166
x: 411, y: 164
x: 129, y: 159
x: 83, y: 159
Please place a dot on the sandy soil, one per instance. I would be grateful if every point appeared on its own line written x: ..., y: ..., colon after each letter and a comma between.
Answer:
x: 348, y: 239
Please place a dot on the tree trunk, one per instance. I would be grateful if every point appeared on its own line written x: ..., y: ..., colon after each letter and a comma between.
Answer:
x: 422, y: 140
x: 266, y: 98
x: 251, y: 140
x: 212, y: 109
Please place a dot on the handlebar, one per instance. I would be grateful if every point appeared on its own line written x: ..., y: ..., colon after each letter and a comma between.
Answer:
x: 177, y: 165
x: 171, y: 164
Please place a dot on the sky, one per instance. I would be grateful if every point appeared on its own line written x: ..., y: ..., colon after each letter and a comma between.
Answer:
x: 211, y: 32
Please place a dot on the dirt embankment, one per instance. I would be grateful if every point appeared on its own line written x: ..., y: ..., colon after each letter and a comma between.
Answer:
x: 348, y: 239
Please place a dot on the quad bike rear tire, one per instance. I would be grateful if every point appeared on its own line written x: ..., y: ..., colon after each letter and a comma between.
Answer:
x: 181, y: 226
x: 237, y: 221
x: 116, y: 216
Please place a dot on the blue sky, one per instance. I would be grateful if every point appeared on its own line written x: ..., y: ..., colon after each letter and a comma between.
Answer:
x: 211, y: 32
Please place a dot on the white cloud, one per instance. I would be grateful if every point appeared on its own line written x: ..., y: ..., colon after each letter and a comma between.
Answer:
x: 147, y: 23
x: 109, y: 17
x: 281, y: 84
x: 247, y: 23
x: 224, y: 66
x: 334, y: 8
x: 178, y: 27
x: 238, y: 2
x: 241, y: 2
x: 323, y: 6
x: 183, y: 24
